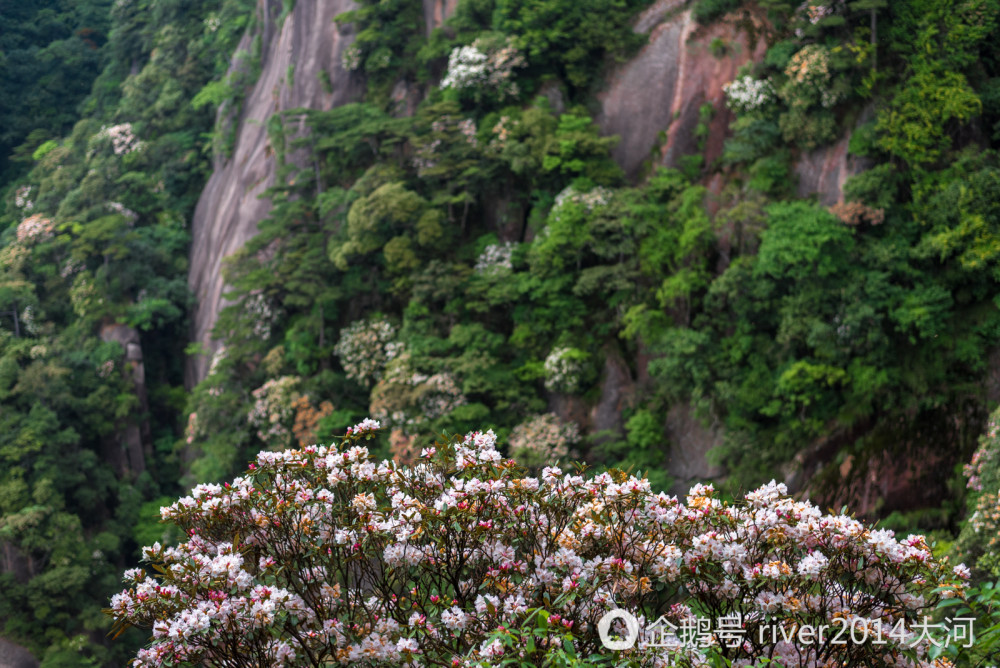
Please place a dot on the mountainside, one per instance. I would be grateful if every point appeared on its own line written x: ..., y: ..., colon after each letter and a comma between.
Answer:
x: 653, y: 102
x: 699, y: 240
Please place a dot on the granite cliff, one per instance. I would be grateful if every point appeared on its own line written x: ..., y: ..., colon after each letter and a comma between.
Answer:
x: 652, y: 102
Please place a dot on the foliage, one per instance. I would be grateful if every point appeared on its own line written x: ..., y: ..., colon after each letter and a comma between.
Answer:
x: 50, y: 53
x: 95, y: 252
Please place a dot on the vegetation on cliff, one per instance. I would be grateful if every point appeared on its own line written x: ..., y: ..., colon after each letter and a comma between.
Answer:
x: 484, y: 262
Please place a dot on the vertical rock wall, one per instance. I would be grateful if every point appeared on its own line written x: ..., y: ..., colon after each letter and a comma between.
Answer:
x: 652, y: 102
x: 295, y: 58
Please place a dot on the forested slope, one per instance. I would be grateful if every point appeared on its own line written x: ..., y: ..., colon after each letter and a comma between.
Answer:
x: 589, y: 225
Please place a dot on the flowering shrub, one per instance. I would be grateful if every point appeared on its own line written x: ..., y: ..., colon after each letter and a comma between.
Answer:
x: 427, y: 154
x: 71, y: 267
x: 478, y: 67
x: 747, y: 94
x: 307, y: 418
x: 564, y: 369
x: 274, y: 409
x: 84, y: 296
x: 365, y: 347
x: 809, y: 78
x: 121, y: 209
x: 501, y: 133
x: 980, y: 538
x: 22, y: 198
x: 856, y: 213
x: 589, y: 200
x: 817, y: 12
x: 258, y: 309
x: 28, y: 320
x: 350, y: 58
x: 543, y: 439
x: 123, y: 139
x: 35, y: 229
x: 496, y: 259
x: 407, y: 398
x: 321, y: 556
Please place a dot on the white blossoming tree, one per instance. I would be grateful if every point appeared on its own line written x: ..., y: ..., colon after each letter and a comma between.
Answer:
x: 320, y: 557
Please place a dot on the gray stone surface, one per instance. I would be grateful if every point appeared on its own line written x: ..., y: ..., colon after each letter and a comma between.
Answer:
x: 690, y: 441
x: 617, y: 387
x: 230, y: 208
x: 15, y: 656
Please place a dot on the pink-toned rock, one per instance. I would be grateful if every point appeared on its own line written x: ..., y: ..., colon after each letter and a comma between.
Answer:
x: 823, y: 172
x: 436, y: 12
x: 663, y: 88
x: 310, y: 44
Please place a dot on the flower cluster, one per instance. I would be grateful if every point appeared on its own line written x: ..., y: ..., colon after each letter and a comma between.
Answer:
x: 818, y: 12
x: 477, y: 68
x: 84, y: 296
x: 122, y: 210
x: 257, y: 306
x: 274, y: 409
x: 71, y: 267
x: 34, y: 229
x: 365, y: 347
x: 212, y: 23
x: 467, y: 127
x: 21, y: 198
x: 809, y: 78
x: 321, y: 556
x: 106, y: 369
x: 544, y: 439
x: 564, y: 370
x: 123, y: 139
x: 589, y: 200
x: 307, y: 418
x: 217, y: 358
x: 350, y: 58
x: 28, y: 320
x: 496, y: 259
x: 191, y: 431
x: 406, y: 398
x: 501, y: 133
x: 748, y: 94
x: 981, y: 536
x: 856, y: 213
x: 427, y: 153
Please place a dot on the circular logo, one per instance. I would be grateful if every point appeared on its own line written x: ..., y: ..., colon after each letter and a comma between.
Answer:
x: 631, y: 626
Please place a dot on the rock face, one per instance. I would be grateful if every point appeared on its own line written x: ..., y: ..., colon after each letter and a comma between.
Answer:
x: 15, y: 656
x: 294, y: 57
x: 436, y: 11
x: 131, y: 445
x: 690, y: 442
x: 662, y: 89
